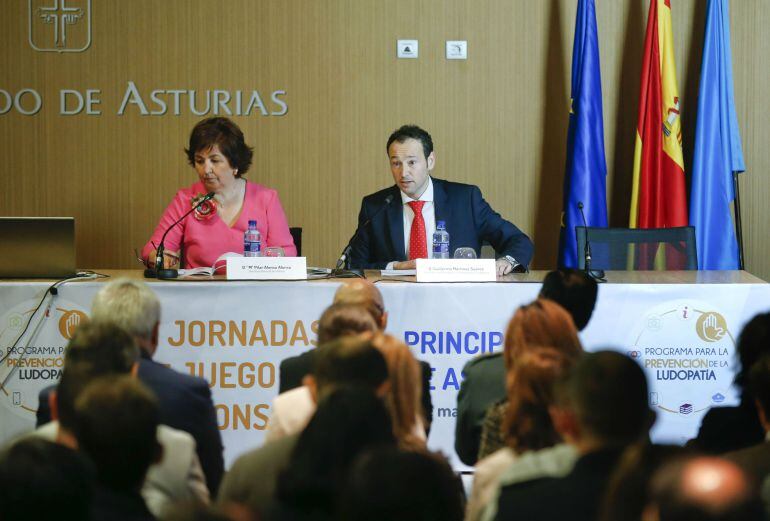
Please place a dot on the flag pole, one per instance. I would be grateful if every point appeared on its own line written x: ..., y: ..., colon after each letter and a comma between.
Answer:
x: 738, y: 225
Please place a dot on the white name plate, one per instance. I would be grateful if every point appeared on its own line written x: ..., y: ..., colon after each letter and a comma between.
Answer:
x: 266, y: 268
x: 456, y: 270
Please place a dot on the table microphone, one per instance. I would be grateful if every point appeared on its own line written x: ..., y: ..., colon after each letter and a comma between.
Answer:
x: 597, y: 275
x: 343, y: 264
x: 166, y: 273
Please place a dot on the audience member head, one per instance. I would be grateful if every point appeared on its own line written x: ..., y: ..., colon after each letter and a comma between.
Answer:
x: 527, y: 424
x: 703, y: 488
x: 96, y: 349
x: 753, y: 342
x: 573, y: 290
x: 540, y: 323
x: 628, y: 488
x: 387, y: 484
x: 347, y: 422
x: 132, y: 305
x: 404, y: 391
x: 348, y: 362
x: 602, y: 402
x: 44, y: 481
x: 340, y: 320
x: 759, y: 387
x: 116, y: 424
x: 364, y: 293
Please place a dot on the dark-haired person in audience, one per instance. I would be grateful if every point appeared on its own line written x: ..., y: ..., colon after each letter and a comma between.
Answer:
x: 104, y: 350
x: 44, y: 481
x: 387, y: 484
x: 725, y: 429
x: 527, y: 428
x: 600, y: 409
x: 348, y: 421
x: 755, y: 460
x: 540, y: 323
x: 703, y: 489
x: 345, y: 362
x: 484, y: 381
x: 220, y: 156
x: 628, y: 490
x: 116, y: 420
x: 291, y: 410
x: 359, y: 292
x: 185, y: 400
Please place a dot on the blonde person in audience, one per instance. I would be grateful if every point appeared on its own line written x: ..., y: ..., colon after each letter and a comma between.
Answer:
x: 403, y: 397
x: 540, y: 323
x: 527, y: 425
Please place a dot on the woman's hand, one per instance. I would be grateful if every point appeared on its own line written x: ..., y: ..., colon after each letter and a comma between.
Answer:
x: 170, y: 259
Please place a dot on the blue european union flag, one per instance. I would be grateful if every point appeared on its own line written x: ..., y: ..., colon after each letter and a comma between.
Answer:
x: 586, y: 172
x: 718, y: 150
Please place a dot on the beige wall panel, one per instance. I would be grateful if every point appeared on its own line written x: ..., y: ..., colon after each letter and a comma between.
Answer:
x: 498, y: 119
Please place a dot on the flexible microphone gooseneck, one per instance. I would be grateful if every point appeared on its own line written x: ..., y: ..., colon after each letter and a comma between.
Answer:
x: 343, y: 263
x: 166, y: 273
x: 597, y: 275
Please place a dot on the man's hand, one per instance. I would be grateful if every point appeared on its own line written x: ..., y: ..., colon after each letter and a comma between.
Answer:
x: 503, y: 267
x: 405, y: 265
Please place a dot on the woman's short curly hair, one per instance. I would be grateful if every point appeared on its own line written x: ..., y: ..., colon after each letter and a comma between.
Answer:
x: 227, y: 136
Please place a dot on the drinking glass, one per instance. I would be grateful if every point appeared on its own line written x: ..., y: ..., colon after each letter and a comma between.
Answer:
x: 465, y: 253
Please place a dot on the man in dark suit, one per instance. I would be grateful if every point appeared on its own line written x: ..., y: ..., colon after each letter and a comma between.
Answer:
x: 483, y: 384
x: 601, y: 408
x: 397, y: 224
x: 184, y: 400
x: 359, y: 292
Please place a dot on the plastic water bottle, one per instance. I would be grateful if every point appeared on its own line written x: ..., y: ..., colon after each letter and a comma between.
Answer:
x: 252, y: 241
x: 441, y: 241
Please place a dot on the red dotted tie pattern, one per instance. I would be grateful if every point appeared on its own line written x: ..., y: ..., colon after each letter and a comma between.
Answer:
x: 418, y: 248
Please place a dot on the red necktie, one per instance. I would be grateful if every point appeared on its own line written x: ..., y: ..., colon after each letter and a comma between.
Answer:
x: 418, y: 248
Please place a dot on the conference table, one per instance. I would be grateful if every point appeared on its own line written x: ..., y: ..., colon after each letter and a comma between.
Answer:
x: 682, y: 327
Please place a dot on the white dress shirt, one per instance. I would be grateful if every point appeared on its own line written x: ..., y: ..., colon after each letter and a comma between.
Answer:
x: 428, y: 215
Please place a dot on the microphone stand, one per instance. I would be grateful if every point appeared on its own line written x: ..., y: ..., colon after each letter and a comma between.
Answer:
x: 342, y: 269
x: 159, y: 271
x: 597, y: 275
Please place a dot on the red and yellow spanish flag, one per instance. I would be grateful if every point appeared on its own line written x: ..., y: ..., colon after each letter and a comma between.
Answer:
x: 658, y: 197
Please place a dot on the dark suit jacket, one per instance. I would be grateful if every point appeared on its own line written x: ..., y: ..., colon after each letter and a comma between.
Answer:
x: 469, y: 220
x: 576, y: 496
x: 292, y: 370
x: 118, y: 505
x: 185, y: 404
x: 723, y: 429
x: 483, y: 385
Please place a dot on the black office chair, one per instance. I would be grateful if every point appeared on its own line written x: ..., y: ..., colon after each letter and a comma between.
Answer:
x: 296, y: 234
x: 636, y: 249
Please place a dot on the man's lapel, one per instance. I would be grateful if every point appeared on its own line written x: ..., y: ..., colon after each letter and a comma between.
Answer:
x: 396, y: 225
x: 441, y: 206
